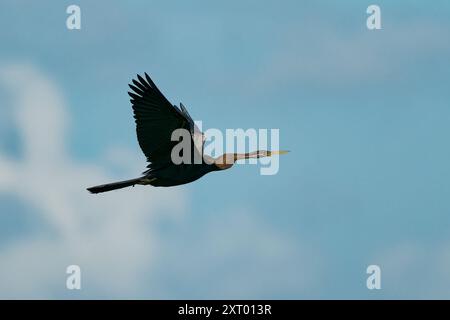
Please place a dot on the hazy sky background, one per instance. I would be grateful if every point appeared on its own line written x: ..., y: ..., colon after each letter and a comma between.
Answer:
x: 365, y: 114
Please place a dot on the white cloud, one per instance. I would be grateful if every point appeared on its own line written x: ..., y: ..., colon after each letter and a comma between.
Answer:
x: 107, y: 235
x: 113, y: 237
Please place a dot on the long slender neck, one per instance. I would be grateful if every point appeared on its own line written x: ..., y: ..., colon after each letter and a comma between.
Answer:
x: 227, y: 160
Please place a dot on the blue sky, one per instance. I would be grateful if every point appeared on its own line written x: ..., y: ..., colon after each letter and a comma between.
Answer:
x: 364, y: 113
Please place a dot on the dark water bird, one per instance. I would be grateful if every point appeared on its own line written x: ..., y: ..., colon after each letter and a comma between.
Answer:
x: 156, y: 119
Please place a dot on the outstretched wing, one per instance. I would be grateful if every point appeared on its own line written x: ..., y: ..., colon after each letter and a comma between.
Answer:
x: 196, y: 134
x: 156, y: 119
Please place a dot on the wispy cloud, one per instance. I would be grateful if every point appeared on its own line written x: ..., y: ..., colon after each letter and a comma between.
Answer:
x: 108, y: 236
x: 240, y: 256
x: 327, y: 57
x: 415, y: 270
x: 114, y: 237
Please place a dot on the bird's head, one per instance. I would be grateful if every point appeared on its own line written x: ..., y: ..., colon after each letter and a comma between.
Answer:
x: 265, y: 153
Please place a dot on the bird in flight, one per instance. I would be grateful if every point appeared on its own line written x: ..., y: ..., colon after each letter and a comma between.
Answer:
x: 156, y: 119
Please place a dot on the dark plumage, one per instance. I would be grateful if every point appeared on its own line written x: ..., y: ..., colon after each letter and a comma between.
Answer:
x: 156, y: 118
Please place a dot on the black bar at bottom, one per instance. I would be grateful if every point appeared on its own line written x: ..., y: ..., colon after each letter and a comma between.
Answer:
x: 227, y: 309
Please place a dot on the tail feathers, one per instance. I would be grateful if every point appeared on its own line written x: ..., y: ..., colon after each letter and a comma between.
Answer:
x: 114, y: 185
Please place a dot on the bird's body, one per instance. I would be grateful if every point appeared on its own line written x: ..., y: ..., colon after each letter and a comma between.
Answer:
x: 156, y: 119
x: 180, y: 174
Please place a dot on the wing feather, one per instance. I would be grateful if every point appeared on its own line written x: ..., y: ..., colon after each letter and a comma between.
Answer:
x: 156, y: 118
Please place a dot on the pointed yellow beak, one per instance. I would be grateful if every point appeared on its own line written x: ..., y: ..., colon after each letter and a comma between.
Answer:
x: 278, y: 152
